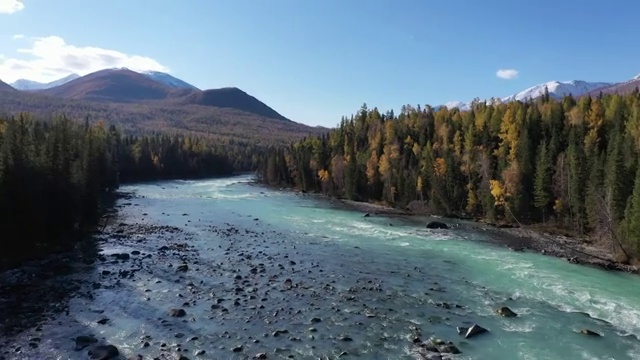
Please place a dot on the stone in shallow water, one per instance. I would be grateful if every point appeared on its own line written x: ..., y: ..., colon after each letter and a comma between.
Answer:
x: 182, y: 267
x: 83, y: 341
x: 506, y: 312
x: 104, y: 352
x: 474, y: 330
x: 589, y: 332
x: 177, y: 312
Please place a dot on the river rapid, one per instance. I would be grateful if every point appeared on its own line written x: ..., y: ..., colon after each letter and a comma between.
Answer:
x: 291, y: 276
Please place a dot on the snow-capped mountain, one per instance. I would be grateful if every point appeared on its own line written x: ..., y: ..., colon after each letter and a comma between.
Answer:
x: 24, y: 84
x: 557, y: 89
x: 168, y: 80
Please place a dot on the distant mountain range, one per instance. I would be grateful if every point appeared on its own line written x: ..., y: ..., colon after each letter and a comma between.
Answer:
x: 151, y: 100
x: 164, y: 78
x: 27, y: 85
x: 560, y: 89
x: 154, y: 101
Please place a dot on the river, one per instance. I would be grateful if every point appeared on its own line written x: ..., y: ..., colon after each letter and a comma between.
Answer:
x: 291, y: 276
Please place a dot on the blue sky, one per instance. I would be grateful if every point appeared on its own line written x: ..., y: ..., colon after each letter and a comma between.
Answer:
x: 316, y: 60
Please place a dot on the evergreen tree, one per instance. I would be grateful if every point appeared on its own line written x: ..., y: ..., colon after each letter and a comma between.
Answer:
x: 542, y: 181
x: 632, y: 216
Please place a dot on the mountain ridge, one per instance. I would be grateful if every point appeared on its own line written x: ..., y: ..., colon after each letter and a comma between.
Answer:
x: 4, y: 87
x: 168, y: 80
x: 122, y: 85
x: 234, y: 98
x: 28, y: 85
x: 559, y: 89
x: 119, y: 85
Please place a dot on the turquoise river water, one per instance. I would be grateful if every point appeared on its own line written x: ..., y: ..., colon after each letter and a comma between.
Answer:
x: 347, y: 266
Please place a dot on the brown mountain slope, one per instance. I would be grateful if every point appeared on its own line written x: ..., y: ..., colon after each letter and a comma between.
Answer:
x: 116, y: 85
x: 620, y: 88
x: 232, y: 98
x: 226, y: 124
x: 6, y: 87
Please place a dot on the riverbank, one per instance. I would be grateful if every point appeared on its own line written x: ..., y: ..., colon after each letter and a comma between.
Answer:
x: 525, y: 238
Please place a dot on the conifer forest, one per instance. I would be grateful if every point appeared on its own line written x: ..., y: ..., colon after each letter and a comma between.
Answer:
x: 570, y: 163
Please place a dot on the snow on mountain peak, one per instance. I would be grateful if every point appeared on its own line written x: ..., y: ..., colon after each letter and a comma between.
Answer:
x: 167, y: 79
x: 24, y: 84
x: 637, y: 77
x: 457, y: 104
x: 557, y: 89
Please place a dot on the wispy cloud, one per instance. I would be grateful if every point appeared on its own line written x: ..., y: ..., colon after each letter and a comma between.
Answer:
x: 507, y: 74
x: 50, y: 58
x: 10, y: 6
x: 17, y: 36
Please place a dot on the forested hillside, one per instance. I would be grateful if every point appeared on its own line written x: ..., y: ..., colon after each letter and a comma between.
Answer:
x: 53, y: 174
x: 573, y: 164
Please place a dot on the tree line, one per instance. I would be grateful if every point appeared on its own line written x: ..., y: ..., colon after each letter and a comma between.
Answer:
x: 55, y: 174
x: 570, y: 163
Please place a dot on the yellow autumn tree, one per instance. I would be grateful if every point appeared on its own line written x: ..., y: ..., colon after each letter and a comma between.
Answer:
x: 372, y: 167
x: 440, y: 167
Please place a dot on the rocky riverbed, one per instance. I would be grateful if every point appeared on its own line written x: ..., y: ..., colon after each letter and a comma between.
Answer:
x: 179, y: 273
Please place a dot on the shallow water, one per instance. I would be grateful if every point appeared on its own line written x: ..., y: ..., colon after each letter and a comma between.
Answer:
x: 344, y: 269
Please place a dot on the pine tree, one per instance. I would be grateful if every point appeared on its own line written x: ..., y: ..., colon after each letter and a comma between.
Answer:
x: 632, y: 217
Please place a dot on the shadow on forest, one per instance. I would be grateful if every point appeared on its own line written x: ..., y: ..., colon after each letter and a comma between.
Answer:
x: 41, y: 288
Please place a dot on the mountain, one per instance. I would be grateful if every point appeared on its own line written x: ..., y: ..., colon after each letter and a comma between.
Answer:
x: 620, y: 88
x: 557, y: 89
x: 124, y: 85
x: 26, y: 85
x: 232, y: 98
x: 228, y: 125
x: 168, y: 80
x: 457, y: 104
x: 4, y: 87
x: 118, y: 85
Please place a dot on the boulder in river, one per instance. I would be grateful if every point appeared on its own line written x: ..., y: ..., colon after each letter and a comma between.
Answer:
x: 589, y: 332
x: 506, y: 312
x: 435, y: 345
x: 437, y: 225
x: 177, y: 312
x: 182, y: 267
x: 104, y: 352
x: 122, y: 256
x: 474, y: 330
x: 84, y: 341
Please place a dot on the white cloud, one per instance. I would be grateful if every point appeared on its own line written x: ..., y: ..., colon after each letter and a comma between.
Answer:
x: 51, y: 58
x: 17, y: 36
x: 507, y: 74
x: 10, y: 6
